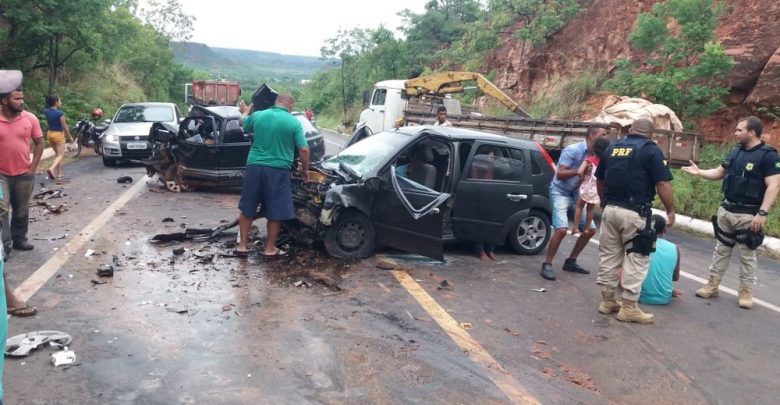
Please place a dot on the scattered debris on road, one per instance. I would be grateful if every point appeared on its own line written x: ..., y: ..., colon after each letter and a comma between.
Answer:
x: 466, y: 325
x: 63, y: 357
x: 48, y: 194
x: 168, y: 219
x: 542, y: 289
x: 124, y: 179
x: 444, y: 285
x: 105, y: 270
x: 22, y: 345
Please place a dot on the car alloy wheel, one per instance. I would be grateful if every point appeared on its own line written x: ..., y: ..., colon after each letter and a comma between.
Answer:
x: 530, y: 234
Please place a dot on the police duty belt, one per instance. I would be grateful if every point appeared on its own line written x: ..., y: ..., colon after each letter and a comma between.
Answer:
x: 743, y: 236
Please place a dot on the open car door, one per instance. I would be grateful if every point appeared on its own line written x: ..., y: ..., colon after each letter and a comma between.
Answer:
x: 362, y: 131
x: 409, y: 216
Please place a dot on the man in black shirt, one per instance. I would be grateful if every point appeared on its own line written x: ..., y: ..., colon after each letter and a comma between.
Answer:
x: 751, y: 180
x: 630, y: 172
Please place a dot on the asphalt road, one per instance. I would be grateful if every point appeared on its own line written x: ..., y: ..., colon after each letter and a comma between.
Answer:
x: 204, y: 328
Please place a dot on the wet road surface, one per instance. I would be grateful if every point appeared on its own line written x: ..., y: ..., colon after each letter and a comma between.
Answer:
x: 202, y: 327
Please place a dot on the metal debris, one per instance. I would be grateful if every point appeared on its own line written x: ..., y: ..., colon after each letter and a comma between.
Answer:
x: 22, y: 345
x: 542, y: 289
x: 105, y: 270
x: 63, y: 357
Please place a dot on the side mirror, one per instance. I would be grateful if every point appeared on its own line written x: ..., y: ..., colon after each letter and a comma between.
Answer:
x: 373, y: 183
x: 366, y: 98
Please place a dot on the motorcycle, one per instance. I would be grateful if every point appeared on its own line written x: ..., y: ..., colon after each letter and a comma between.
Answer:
x: 86, y: 135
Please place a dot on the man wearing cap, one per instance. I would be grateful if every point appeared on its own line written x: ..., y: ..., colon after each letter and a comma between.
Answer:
x: 631, y: 171
x: 17, y: 171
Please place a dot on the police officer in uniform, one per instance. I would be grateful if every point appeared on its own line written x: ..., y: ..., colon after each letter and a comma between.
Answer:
x: 751, y: 180
x: 631, y: 171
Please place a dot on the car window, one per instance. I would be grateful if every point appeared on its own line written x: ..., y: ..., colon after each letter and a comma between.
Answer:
x: 379, y: 97
x: 497, y: 163
x: 141, y: 113
x: 426, y: 163
x: 366, y: 155
x: 306, y: 124
x: 232, y: 125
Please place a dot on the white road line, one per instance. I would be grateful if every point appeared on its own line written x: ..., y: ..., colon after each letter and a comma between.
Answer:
x: 33, y: 283
x: 726, y: 290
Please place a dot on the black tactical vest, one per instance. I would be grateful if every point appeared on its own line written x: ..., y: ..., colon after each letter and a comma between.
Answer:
x: 744, y: 180
x: 626, y: 180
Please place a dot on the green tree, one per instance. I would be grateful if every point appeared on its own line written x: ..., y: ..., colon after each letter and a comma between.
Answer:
x: 683, y: 68
x: 540, y: 18
x: 348, y: 46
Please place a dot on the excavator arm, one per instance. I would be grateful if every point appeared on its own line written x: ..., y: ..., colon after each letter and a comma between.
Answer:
x: 438, y: 84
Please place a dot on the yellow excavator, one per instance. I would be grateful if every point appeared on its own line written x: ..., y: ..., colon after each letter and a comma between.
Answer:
x: 439, y: 84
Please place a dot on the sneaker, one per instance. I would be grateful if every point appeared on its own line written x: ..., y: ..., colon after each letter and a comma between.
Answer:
x: 547, y: 271
x: 572, y: 266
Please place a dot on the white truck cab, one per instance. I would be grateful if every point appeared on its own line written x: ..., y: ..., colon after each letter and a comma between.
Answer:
x: 385, y: 106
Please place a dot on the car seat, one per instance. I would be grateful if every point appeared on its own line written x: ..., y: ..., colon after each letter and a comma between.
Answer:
x: 423, y: 172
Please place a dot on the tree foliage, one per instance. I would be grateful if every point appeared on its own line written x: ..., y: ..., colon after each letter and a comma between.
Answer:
x: 540, y: 18
x: 448, y: 34
x: 95, y: 41
x: 683, y: 67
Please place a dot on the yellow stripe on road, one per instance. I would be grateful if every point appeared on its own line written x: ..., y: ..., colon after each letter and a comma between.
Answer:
x: 63, y: 255
x: 500, y: 377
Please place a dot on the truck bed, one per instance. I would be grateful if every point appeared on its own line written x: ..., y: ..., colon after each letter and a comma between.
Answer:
x: 554, y: 135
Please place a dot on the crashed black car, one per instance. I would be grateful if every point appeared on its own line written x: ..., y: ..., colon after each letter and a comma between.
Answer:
x: 209, y: 149
x: 416, y: 187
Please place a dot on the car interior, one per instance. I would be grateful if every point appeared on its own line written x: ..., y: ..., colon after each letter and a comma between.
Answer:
x: 426, y: 163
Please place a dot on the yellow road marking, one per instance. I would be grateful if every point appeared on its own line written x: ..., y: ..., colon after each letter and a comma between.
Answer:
x: 49, y: 269
x: 500, y: 377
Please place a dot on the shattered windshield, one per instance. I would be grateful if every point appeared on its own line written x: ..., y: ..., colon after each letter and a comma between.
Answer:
x: 365, y: 155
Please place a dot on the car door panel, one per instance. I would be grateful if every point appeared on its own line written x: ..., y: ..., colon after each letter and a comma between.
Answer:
x: 483, y: 206
x: 398, y: 226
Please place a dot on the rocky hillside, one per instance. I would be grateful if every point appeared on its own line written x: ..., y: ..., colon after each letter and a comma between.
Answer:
x: 749, y: 30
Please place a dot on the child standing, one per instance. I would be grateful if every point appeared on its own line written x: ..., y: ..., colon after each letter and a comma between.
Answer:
x: 589, y: 196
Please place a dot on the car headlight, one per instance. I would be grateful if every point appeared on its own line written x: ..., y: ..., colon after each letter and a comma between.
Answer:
x: 112, y: 138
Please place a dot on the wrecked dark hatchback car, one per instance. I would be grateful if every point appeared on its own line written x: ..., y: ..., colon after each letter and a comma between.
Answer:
x: 416, y: 187
x: 209, y: 149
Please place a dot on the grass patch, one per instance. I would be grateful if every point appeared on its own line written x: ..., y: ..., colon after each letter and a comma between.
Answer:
x: 566, y: 99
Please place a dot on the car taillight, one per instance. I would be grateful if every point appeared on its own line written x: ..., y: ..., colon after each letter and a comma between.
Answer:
x: 546, y: 155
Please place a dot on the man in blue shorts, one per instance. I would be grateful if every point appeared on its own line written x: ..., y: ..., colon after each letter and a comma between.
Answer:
x: 267, y: 178
x: 564, y: 192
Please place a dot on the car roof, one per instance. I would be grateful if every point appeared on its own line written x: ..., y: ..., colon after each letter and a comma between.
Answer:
x: 463, y: 134
x: 224, y: 111
x: 150, y: 104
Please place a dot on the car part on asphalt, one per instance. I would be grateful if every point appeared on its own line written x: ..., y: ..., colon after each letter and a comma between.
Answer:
x: 63, y: 357
x: 105, y: 270
x: 22, y: 345
x: 124, y: 179
x: 48, y: 194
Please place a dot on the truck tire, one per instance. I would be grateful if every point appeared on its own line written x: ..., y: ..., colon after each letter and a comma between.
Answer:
x: 529, y: 235
x: 351, y: 237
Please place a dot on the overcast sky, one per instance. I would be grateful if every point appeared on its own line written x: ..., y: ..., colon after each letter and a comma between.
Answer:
x: 291, y: 27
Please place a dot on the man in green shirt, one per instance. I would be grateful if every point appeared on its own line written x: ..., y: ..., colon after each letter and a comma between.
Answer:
x: 267, y: 177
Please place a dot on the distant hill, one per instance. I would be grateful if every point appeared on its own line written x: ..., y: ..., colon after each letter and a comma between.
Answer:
x: 249, y: 67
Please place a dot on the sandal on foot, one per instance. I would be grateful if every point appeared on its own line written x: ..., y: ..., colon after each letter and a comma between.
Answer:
x: 243, y: 254
x: 50, y: 174
x: 23, y: 312
x: 278, y: 253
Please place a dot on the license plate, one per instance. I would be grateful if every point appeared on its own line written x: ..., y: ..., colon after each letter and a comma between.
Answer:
x: 136, y: 145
